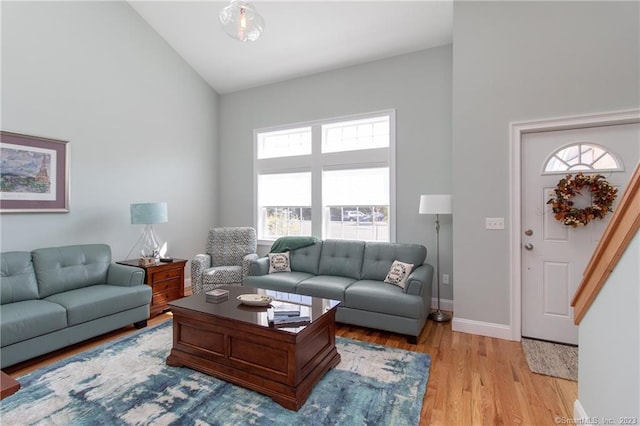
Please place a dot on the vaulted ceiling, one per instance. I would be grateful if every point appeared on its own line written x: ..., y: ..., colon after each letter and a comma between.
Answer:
x: 300, y: 37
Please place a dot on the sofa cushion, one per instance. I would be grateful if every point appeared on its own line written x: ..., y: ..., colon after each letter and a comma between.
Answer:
x: 284, y: 281
x: 325, y: 286
x: 306, y: 259
x: 97, y: 301
x: 17, y: 277
x: 61, y: 269
x: 378, y: 258
x: 342, y: 258
x: 28, y: 319
x: 376, y: 296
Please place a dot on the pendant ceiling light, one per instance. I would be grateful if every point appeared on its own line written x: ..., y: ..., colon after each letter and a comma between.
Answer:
x: 241, y: 21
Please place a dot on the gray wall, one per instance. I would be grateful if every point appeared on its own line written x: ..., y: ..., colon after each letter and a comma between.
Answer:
x: 517, y: 61
x: 609, y: 370
x: 417, y: 85
x: 142, y: 125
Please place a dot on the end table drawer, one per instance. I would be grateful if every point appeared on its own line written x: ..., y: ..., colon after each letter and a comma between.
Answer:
x: 166, y: 275
x: 166, y: 280
x: 165, y: 297
x: 164, y: 286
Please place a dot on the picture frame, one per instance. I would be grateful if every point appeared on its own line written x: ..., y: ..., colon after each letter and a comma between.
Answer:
x: 34, y: 174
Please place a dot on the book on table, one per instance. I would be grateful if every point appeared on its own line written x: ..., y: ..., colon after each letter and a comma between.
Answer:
x: 217, y: 295
x: 284, y: 313
x: 289, y: 321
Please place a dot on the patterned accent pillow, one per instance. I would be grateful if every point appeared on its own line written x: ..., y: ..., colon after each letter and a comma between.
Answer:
x: 279, y: 262
x: 399, y: 273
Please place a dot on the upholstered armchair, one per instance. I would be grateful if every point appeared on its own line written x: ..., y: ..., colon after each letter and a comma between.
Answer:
x: 229, y: 252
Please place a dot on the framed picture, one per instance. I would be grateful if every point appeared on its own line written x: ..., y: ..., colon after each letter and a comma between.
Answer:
x: 34, y: 174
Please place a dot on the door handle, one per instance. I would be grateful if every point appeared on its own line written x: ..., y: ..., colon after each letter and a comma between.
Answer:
x: 528, y: 246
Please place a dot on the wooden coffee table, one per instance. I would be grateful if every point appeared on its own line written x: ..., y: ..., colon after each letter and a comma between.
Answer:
x: 235, y: 343
x: 8, y: 385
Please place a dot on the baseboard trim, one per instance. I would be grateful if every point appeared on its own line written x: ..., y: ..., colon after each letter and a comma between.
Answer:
x: 499, y: 331
x: 445, y: 304
x: 578, y: 411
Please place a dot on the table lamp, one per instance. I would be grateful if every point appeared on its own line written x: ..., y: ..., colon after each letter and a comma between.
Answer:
x: 436, y: 204
x: 148, y: 214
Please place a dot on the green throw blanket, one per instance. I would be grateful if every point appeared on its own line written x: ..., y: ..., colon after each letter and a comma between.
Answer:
x: 283, y: 244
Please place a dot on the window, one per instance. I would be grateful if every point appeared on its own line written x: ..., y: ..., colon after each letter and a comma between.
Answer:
x: 284, y: 202
x: 331, y: 179
x: 582, y: 156
x: 356, y: 134
x: 358, y: 204
x: 284, y: 143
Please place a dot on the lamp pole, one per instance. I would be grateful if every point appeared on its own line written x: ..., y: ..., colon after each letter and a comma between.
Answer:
x: 438, y: 315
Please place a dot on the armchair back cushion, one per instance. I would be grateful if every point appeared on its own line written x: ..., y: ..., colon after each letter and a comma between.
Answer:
x: 341, y: 258
x: 378, y: 258
x: 228, y: 246
x: 61, y: 269
x: 17, y: 277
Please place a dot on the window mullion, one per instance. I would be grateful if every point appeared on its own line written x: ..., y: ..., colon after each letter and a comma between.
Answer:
x: 317, y: 212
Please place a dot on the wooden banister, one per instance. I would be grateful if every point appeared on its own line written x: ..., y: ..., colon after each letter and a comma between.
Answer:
x: 621, y: 229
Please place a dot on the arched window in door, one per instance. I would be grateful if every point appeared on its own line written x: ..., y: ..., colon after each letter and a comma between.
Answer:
x: 582, y: 156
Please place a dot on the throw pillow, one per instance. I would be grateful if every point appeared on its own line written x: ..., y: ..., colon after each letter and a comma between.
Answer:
x: 399, y: 273
x: 279, y: 262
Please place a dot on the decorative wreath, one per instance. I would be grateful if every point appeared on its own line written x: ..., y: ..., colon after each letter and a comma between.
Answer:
x: 602, y: 192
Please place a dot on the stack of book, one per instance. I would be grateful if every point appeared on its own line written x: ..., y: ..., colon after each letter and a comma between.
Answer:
x: 288, y: 318
x: 217, y: 295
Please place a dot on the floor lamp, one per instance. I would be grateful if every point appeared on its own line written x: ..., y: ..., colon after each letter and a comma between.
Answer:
x: 436, y: 204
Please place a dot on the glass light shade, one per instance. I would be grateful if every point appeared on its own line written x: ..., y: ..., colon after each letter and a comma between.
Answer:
x: 435, y: 204
x: 241, y: 21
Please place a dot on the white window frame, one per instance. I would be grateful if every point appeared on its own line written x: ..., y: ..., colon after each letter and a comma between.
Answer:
x: 585, y: 167
x: 316, y: 162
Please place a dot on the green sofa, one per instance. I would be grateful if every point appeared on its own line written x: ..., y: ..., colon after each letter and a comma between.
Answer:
x: 54, y: 297
x: 353, y: 272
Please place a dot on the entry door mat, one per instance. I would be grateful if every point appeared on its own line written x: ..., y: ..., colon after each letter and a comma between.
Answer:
x: 126, y: 382
x: 551, y: 359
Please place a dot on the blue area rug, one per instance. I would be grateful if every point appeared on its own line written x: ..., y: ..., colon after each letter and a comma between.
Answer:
x: 127, y: 382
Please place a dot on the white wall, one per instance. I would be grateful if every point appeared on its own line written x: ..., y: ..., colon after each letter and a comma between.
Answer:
x: 141, y: 124
x: 609, y: 357
x: 417, y: 85
x: 520, y: 61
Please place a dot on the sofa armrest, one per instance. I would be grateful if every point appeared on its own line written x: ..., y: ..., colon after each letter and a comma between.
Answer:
x: 259, y: 266
x: 125, y: 275
x: 419, y: 282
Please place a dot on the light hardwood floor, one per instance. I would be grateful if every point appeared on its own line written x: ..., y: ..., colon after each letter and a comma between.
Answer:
x: 473, y: 380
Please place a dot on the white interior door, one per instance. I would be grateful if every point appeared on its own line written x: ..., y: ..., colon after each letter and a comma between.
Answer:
x: 554, y: 255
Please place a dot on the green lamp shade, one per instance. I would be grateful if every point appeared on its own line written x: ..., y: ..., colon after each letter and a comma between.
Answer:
x: 147, y: 213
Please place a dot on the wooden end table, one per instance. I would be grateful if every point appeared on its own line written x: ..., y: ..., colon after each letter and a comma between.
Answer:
x: 166, y: 280
x: 235, y: 343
